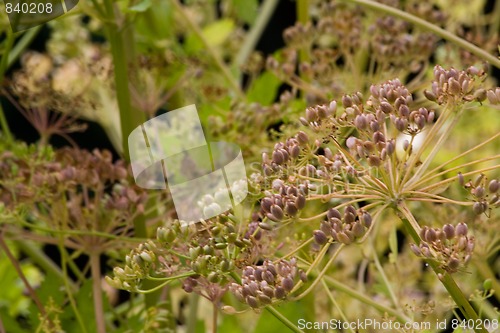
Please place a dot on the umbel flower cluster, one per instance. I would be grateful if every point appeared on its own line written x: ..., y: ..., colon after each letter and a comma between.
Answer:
x: 352, y: 160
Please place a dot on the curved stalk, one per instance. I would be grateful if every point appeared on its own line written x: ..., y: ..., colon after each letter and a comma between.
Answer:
x: 477, y: 51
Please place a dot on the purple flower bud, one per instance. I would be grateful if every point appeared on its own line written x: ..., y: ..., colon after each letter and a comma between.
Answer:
x: 287, y: 283
x: 320, y: 237
x: 461, y: 229
x: 360, y: 121
x: 252, y: 301
x: 300, y: 202
x: 280, y: 293
x: 302, y: 137
x: 449, y: 231
x: 277, y: 212
x: 493, y: 186
x: 346, y: 101
x: 386, y: 107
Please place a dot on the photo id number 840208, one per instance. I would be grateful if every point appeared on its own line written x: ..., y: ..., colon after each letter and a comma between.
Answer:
x: 29, y: 8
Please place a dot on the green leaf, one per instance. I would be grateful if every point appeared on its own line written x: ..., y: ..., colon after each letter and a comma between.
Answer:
x: 215, y: 34
x: 264, y: 88
x: 140, y: 7
x: 393, y: 245
x: 246, y: 10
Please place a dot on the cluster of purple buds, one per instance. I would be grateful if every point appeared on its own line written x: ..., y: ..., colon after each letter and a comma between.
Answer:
x: 450, y: 246
x: 286, y: 201
x: 485, y: 194
x: 265, y: 284
x: 343, y: 228
x: 456, y: 85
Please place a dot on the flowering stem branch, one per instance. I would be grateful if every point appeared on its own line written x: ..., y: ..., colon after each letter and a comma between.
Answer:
x: 477, y: 51
x: 265, y: 13
x: 446, y: 279
x: 283, y: 319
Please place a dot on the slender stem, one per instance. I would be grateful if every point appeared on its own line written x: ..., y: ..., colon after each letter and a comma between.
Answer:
x: 428, y: 177
x: 193, y: 313
x: 210, y: 50
x: 320, y: 275
x: 215, y: 313
x: 2, y: 328
x: 381, y: 271
x: 446, y: 279
x: 41, y: 259
x: 429, y: 138
x: 283, y: 319
x: 443, y: 182
x: 22, y: 44
x: 68, y: 286
x: 3, y: 67
x: 335, y: 304
x: 477, y: 51
x: 95, y: 268
x: 435, y: 149
x: 486, y: 272
x: 367, y: 300
x: 265, y: 13
x: 25, y: 281
x: 464, y: 153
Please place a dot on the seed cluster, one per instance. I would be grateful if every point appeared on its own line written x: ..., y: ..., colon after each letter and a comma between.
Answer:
x: 286, y: 202
x: 267, y: 283
x: 451, y: 85
x: 450, y: 246
x: 343, y: 228
x: 485, y: 193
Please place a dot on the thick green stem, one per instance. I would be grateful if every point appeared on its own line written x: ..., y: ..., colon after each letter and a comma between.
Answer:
x: 95, y: 267
x: 129, y: 118
x: 193, y: 313
x: 3, y: 67
x: 446, y: 279
x: 477, y: 51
